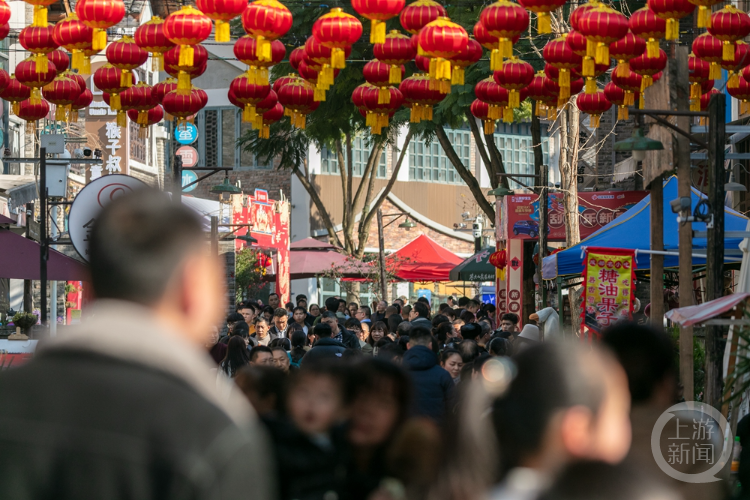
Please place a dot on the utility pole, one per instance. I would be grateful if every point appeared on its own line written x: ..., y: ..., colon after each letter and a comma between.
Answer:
x: 381, y: 257
x: 715, y: 248
x: 682, y: 157
x: 28, y: 295
x: 43, y: 242
x: 543, y: 195
x: 657, y: 261
x: 177, y: 180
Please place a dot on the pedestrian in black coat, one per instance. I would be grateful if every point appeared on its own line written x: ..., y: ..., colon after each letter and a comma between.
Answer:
x: 325, y: 349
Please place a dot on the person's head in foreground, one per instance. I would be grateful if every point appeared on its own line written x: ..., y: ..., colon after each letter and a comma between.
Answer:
x: 317, y: 397
x: 566, y: 403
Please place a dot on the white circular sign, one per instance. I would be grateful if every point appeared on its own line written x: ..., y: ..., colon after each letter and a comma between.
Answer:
x: 189, y: 156
x: 89, y: 202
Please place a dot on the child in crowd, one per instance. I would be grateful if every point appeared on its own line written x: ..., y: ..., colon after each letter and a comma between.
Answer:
x: 309, y: 444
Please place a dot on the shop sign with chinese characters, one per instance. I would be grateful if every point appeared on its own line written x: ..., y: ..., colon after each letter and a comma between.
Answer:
x: 608, y: 292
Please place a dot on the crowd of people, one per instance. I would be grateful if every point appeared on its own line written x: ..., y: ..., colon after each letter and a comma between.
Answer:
x: 147, y: 399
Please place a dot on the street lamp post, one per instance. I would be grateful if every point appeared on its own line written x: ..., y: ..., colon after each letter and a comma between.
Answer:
x: 407, y: 224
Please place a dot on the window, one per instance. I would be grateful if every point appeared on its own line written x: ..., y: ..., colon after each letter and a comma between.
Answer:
x: 219, y: 129
x: 428, y: 162
x: 329, y: 163
x: 138, y: 144
x: 332, y: 288
x: 518, y: 156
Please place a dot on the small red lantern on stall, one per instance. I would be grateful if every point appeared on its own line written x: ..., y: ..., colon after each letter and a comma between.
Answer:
x: 263, y: 107
x: 734, y: 67
x: 266, y: 20
x: 337, y: 30
x: 579, y: 45
x: 729, y: 25
x: 442, y: 40
x: 39, y: 41
x: 100, y: 15
x: 503, y: 20
x: 377, y: 74
x: 125, y: 55
x: 631, y: 84
x: 186, y: 28
x: 538, y: 92
x: 514, y: 76
x: 150, y: 37
x: 671, y: 11
x: 270, y: 117
x: 698, y: 72
x: 395, y: 51
x: 594, y: 105
x: 221, y: 11
x: 138, y: 98
x: 498, y: 259
x: 647, y: 25
x: 378, y: 11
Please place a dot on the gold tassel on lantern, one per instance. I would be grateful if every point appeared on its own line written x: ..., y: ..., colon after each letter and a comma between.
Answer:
x: 514, y: 99
x: 394, y: 76
x: 496, y: 60
x: 623, y: 68
x: 629, y: 98
x: 14, y: 108
x: 673, y: 29
x: 588, y: 67
x: 727, y: 51
x: 99, y: 40
x: 590, y: 48
x: 414, y: 113
x: 594, y: 121
x: 40, y: 16
x: 86, y: 66
x: 326, y: 76
x: 384, y: 96
x: 377, y: 31
x: 265, y: 132
x: 543, y: 23
x: 489, y: 127
x: 494, y: 112
x: 695, y: 104
x: 427, y: 113
x: 222, y: 31
x: 370, y: 119
x: 441, y: 69
x: 734, y: 80
x: 508, y: 114
x: 42, y: 63
x: 143, y: 133
x: 652, y: 48
x: 538, y: 111
x: 126, y: 78
x: 714, y: 71
x: 551, y: 113
x: 319, y: 94
x: 30, y: 128
x: 622, y: 112
x: 76, y: 61
x: 248, y: 113
x: 187, y: 54
x: 142, y: 118
x: 262, y: 48
x: 695, y: 90
x: 261, y: 77
x: 60, y: 113
x: 36, y: 96
x: 704, y: 17
x: 183, y: 83
x: 258, y: 122
x: 646, y: 82
x: 457, y: 78
x: 114, y: 102
x: 122, y: 119
x: 590, y: 86
x: 338, y: 58
x: 564, y: 79
x: 602, y: 53
x: 73, y: 116
x: 506, y: 48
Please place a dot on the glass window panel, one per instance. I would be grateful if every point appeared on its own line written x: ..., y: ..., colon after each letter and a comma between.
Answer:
x: 212, y: 138
x: 228, y: 140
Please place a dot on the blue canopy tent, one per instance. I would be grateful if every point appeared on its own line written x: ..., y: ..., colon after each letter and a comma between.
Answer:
x: 632, y: 230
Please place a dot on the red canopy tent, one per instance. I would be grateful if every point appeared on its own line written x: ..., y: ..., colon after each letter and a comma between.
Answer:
x: 309, y: 258
x: 19, y: 259
x: 422, y: 259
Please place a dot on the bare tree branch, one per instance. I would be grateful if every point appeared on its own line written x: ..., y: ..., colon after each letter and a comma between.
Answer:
x: 479, y: 140
x: 497, y: 160
x: 466, y: 175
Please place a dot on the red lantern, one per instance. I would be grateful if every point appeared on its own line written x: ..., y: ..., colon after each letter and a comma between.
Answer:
x: 514, y: 76
x: 27, y: 74
x: 542, y: 9
x: 271, y: 116
x: 248, y: 94
x: 39, y: 41
x: 100, y: 15
x: 60, y: 59
x: 420, y: 96
x: 554, y: 88
x: 395, y: 51
x: 625, y: 49
x: 647, y: 67
x: 469, y: 55
x: 554, y: 73
x: 151, y: 38
x: 559, y: 55
x: 184, y: 72
x: 481, y: 109
x: 74, y: 36
x: 266, y: 20
x: 594, y: 105
x: 378, y: 74
x: 337, y: 30
x: 741, y: 92
x: 618, y: 97
x: 4, y: 30
x: 710, y: 49
x: 538, y: 92
x: 729, y: 25
x: 601, y: 26
x: 647, y: 25
x: 698, y: 72
x: 295, y: 57
x: 578, y: 13
x: 378, y: 11
x: 482, y: 36
x: 706, y: 98
x: 378, y: 112
x: 579, y: 45
x: 32, y: 112
x: 5, y: 13
x: 14, y: 93
x: 497, y: 97
x: 163, y: 88
x: 221, y: 11
x: 741, y: 60
x: 631, y: 84
x: 419, y: 14
x: 148, y: 118
x: 62, y: 92
x: 441, y: 40
x: 297, y: 97
x: 671, y: 11
x: 182, y: 106
x: 246, y: 50
x: 498, y: 259
x: 187, y: 27
x: 4, y: 80
x: 137, y: 98
x: 262, y: 108
x: 108, y: 79
x: 125, y: 55
x: 504, y: 20
x: 84, y: 100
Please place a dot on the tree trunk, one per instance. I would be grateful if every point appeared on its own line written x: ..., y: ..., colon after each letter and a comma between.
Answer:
x: 479, y: 139
x: 497, y: 161
x: 464, y: 172
x: 322, y: 212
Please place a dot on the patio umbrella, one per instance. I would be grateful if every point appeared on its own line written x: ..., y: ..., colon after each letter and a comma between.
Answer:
x: 475, y: 268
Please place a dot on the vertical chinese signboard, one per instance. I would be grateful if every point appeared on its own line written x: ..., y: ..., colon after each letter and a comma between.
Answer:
x: 269, y: 224
x: 608, y: 294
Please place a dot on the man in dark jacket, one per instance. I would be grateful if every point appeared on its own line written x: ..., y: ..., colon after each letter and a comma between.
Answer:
x: 339, y: 333
x: 325, y: 348
x: 433, y: 386
x: 124, y: 405
x: 420, y: 315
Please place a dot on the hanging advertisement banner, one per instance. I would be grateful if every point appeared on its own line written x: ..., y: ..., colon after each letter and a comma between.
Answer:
x: 608, y: 292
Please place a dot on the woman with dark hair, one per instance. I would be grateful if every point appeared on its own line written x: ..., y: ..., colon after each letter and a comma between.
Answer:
x: 377, y: 331
x: 299, y: 346
x: 451, y: 361
x: 268, y: 314
x: 443, y: 332
x: 237, y: 356
x: 382, y: 396
x: 500, y: 347
x: 393, y: 321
